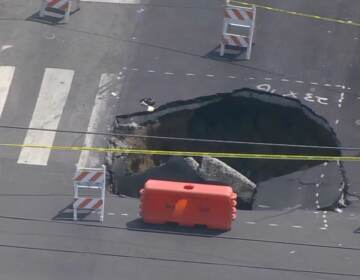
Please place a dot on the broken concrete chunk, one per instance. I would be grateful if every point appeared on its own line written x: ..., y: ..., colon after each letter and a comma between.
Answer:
x: 213, y: 169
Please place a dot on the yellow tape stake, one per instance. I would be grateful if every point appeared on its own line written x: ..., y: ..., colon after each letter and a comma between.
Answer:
x: 341, y: 21
x: 188, y: 153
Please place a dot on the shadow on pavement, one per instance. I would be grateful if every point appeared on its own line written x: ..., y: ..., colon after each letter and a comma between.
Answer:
x: 357, y: 230
x: 49, y: 19
x: 66, y: 214
x: 172, y: 228
x: 230, y: 54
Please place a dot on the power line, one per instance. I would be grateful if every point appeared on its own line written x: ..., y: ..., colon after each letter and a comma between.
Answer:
x: 184, y: 139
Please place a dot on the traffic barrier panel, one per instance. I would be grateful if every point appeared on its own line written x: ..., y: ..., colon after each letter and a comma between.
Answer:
x: 188, y: 204
x: 238, y: 17
x: 59, y: 8
x: 89, y: 179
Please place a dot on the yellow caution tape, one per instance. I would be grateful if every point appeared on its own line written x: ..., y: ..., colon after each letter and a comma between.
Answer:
x: 188, y: 153
x: 269, y: 8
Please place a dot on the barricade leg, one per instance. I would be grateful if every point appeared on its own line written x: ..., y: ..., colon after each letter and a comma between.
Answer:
x: 76, y: 196
x: 103, y: 193
x: 75, y: 218
x: 42, y: 8
x: 222, y: 49
x: 251, y: 35
x: 67, y: 13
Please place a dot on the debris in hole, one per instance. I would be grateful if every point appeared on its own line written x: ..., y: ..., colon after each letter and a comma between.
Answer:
x: 149, y: 103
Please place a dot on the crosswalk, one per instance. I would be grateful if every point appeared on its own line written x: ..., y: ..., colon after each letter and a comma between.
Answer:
x: 54, y: 92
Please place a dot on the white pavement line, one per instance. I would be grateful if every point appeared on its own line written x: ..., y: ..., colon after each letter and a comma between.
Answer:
x: 54, y: 90
x: 6, y: 76
x: 231, y: 77
x: 151, y: 71
x: 98, y: 112
x: 263, y: 206
x: 190, y: 74
x: 284, y: 80
x: 337, y: 122
x: 299, y: 82
x: 267, y: 79
x: 210, y: 75
x: 273, y: 225
x: 114, y: 1
x: 322, y: 175
x: 314, y: 83
x: 168, y: 73
x: 250, y: 223
x: 296, y: 226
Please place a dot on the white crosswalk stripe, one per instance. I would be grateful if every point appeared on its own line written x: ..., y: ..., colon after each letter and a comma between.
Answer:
x: 98, y: 111
x: 53, y: 94
x: 6, y: 76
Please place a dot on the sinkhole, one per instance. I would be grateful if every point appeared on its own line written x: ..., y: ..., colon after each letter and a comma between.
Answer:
x: 245, y: 115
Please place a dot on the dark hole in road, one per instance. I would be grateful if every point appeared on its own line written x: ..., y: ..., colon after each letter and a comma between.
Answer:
x: 243, y: 115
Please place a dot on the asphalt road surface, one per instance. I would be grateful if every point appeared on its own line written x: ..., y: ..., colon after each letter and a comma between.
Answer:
x: 79, y: 75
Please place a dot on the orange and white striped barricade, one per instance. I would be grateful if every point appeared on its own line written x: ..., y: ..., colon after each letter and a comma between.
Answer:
x: 89, y: 179
x: 238, y: 17
x: 59, y: 8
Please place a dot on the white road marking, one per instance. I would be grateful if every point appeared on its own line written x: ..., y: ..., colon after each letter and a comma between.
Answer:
x: 322, y: 176
x: 317, y: 185
x: 250, y: 223
x: 325, y: 163
x: 251, y: 78
x: 54, y: 90
x: 296, y: 226
x: 284, y: 80
x: 168, y: 73
x: 263, y: 206
x: 151, y: 71
x: 124, y: 214
x: 114, y: 1
x: 210, y: 75
x: 337, y: 122
x: 299, y: 82
x: 5, y: 47
x: 6, y: 76
x: 190, y: 74
x: 268, y: 79
x: 273, y: 225
x: 135, y: 69
x: 313, y: 83
x: 111, y: 214
x: 327, y: 85
x: 231, y: 77
x: 98, y: 112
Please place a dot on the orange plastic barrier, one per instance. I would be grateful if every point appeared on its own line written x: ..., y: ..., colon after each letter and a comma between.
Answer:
x: 188, y: 204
